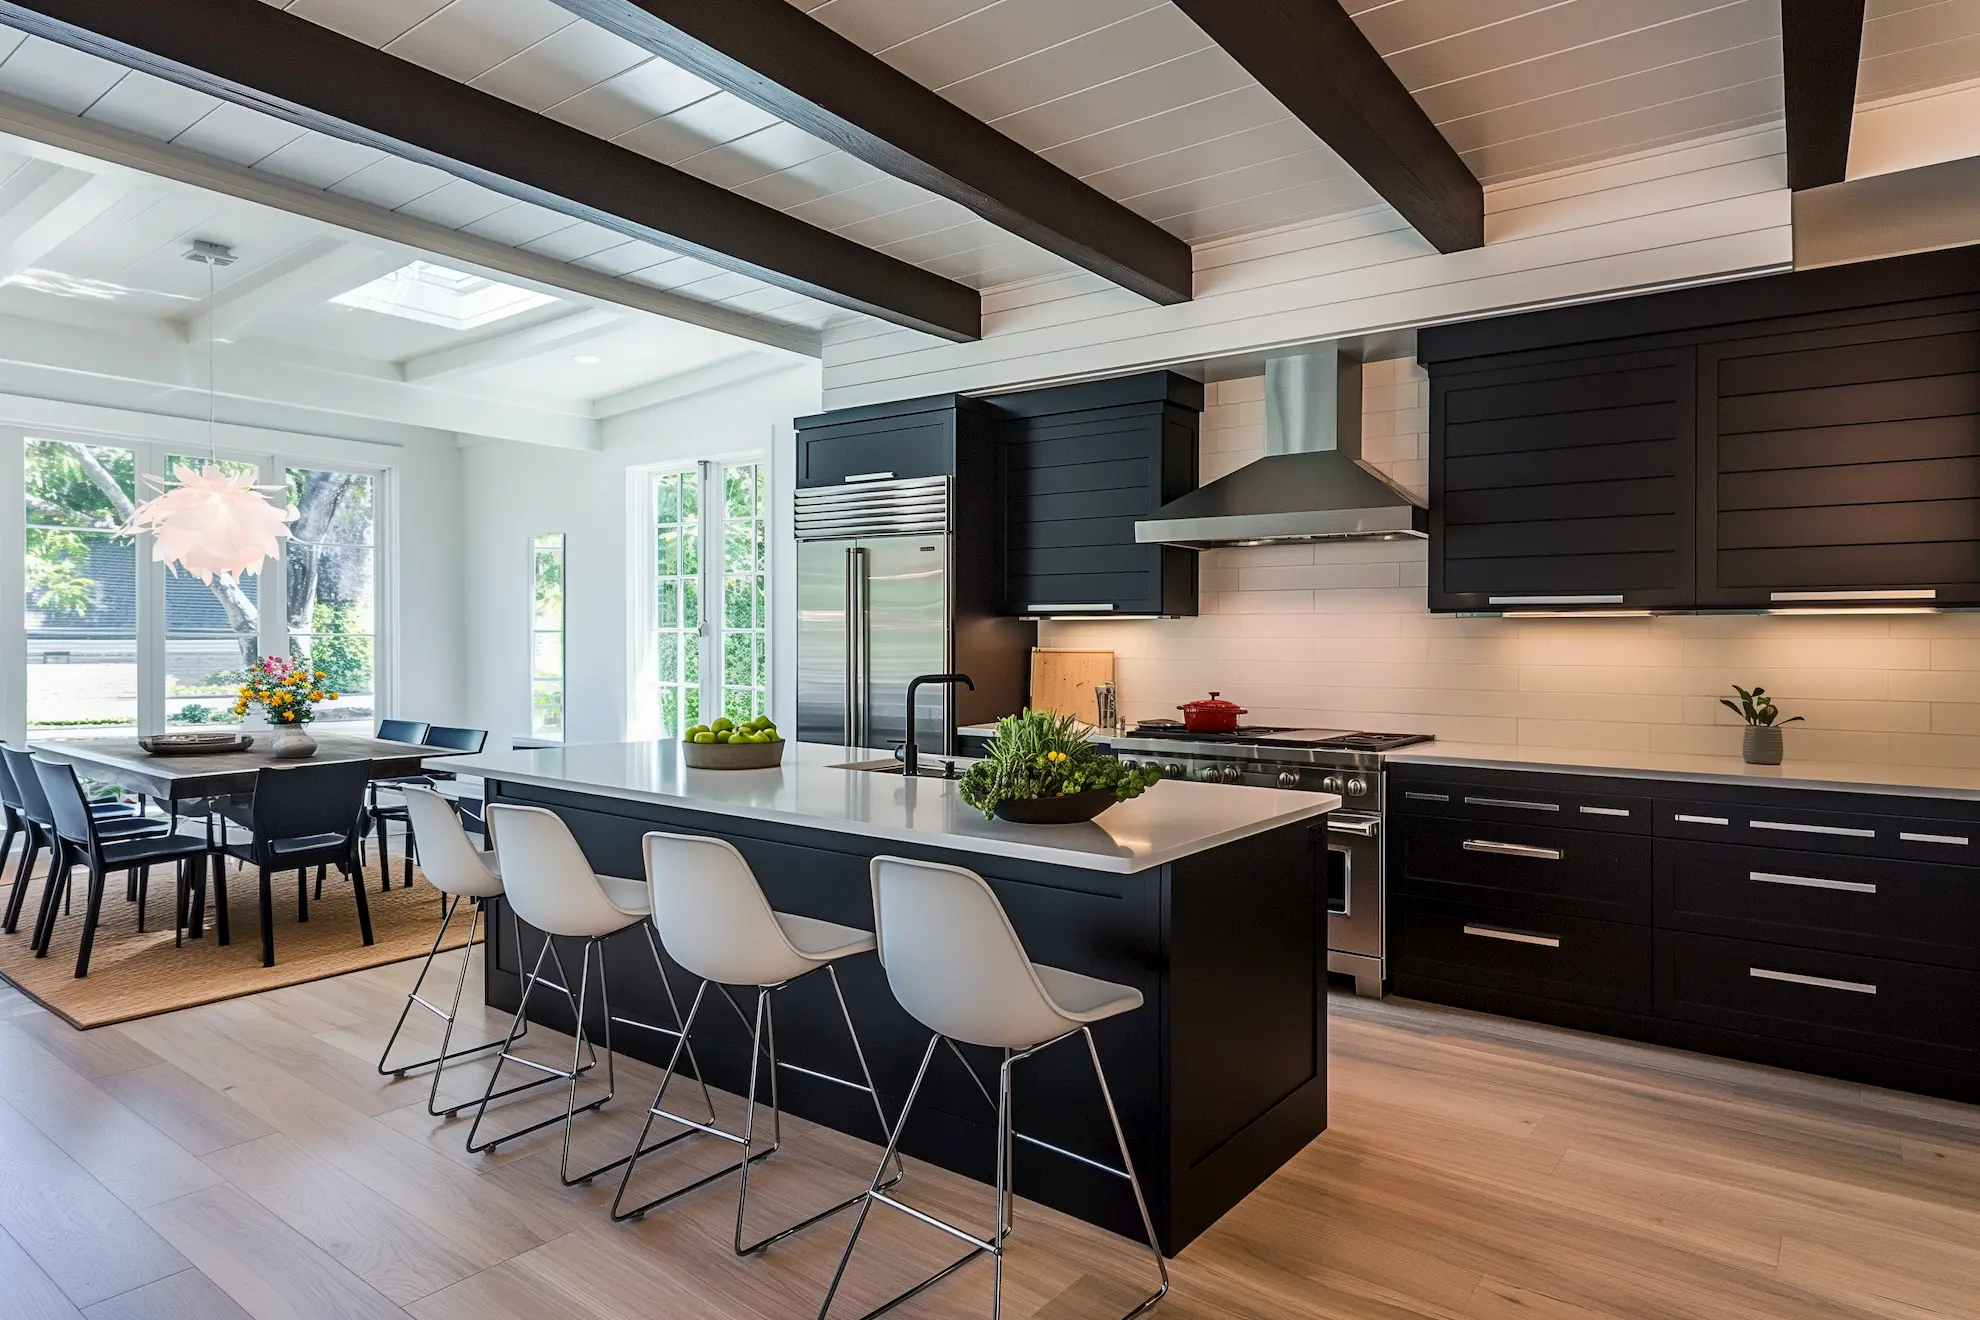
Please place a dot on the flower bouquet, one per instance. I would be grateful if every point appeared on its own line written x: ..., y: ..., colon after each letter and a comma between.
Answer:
x: 288, y: 691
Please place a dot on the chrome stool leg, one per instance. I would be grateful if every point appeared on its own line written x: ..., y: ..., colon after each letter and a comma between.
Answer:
x: 1007, y: 1136
x: 439, y: 1062
x: 490, y: 1095
x: 763, y: 1048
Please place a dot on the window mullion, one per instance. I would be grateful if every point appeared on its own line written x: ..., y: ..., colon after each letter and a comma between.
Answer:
x: 150, y: 583
x: 710, y: 532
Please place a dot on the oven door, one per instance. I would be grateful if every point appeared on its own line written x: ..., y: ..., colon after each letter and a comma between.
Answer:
x: 1354, y: 883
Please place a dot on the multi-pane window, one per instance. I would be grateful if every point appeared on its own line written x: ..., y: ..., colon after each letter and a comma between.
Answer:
x: 332, y: 554
x: 677, y: 598
x: 711, y: 543
x: 745, y: 603
x: 546, y: 637
x: 82, y: 593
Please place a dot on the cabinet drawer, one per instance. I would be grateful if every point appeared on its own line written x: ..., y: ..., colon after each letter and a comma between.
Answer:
x: 1603, y: 963
x: 1574, y: 872
x: 1873, y: 1006
x: 1869, y: 905
x: 1536, y: 802
x: 1813, y: 828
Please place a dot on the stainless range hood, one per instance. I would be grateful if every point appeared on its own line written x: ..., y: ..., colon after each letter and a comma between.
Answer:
x: 1312, y: 484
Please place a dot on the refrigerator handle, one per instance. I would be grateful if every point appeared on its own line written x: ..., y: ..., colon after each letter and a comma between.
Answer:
x: 852, y: 641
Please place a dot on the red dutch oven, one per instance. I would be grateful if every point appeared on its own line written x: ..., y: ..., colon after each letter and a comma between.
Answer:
x: 1212, y: 716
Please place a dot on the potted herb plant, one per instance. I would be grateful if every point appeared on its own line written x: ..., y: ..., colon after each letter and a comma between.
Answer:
x: 1041, y: 769
x: 1762, y: 745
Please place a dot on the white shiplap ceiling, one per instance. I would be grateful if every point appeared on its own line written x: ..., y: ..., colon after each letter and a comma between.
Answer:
x: 1128, y: 95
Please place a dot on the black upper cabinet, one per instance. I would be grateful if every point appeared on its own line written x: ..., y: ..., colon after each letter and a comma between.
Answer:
x: 1802, y: 439
x: 1841, y: 465
x: 909, y: 438
x: 1563, y: 484
x: 1081, y: 465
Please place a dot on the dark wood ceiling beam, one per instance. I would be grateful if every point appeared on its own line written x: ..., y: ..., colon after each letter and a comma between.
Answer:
x: 783, y: 61
x: 255, y: 55
x: 1310, y: 55
x: 1821, y: 43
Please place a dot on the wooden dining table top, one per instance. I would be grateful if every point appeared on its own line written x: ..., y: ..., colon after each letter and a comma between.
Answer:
x: 123, y: 762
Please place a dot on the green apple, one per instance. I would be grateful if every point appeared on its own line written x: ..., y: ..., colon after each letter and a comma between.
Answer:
x: 704, y: 737
x: 723, y: 725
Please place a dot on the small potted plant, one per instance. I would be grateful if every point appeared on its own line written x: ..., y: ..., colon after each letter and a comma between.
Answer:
x: 1762, y: 745
x: 288, y: 692
x: 1042, y: 769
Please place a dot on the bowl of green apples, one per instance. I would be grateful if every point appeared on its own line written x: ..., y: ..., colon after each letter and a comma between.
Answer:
x: 724, y: 744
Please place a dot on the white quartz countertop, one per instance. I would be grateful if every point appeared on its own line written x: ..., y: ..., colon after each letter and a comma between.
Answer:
x: 1904, y: 780
x: 1171, y: 820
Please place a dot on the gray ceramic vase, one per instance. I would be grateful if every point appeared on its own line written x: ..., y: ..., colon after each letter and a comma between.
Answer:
x: 291, y: 742
x: 1762, y: 745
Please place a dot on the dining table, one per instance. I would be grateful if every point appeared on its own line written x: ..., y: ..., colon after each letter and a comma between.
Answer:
x: 204, y: 777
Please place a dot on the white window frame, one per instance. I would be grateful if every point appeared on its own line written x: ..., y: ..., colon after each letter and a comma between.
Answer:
x: 531, y: 631
x: 643, y: 667
x: 149, y: 455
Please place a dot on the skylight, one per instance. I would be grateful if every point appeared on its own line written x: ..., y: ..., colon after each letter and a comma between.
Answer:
x: 436, y: 295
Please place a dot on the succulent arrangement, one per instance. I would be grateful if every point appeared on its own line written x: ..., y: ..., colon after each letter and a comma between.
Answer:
x: 1756, y: 708
x: 1038, y: 754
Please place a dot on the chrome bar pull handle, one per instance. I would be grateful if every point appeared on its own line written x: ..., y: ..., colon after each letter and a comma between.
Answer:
x: 1512, y: 850
x: 1514, y: 936
x: 1811, y: 882
x: 1819, y: 982
x: 1514, y: 803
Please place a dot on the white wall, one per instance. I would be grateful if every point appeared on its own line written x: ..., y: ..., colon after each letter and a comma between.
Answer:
x: 514, y: 491
x: 1340, y: 635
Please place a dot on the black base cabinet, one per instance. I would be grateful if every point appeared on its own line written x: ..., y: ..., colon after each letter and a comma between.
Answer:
x: 1830, y: 932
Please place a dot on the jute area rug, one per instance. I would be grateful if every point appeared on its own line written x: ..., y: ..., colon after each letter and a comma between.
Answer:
x: 134, y: 975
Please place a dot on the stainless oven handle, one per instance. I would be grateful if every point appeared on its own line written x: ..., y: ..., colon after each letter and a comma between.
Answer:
x: 1365, y: 826
x: 1512, y: 849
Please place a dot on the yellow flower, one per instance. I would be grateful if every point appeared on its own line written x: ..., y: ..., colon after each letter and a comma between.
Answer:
x: 333, y: 696
x: 321, y: 674
x: 316, y: 696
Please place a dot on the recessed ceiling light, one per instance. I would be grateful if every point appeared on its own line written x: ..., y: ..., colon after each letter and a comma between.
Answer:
x: 586, y: 359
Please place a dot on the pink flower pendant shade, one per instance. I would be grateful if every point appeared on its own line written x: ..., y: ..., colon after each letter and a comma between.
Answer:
x: 212, y: 523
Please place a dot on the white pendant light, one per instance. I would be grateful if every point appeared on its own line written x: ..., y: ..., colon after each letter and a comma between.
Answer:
x: 204, y: 520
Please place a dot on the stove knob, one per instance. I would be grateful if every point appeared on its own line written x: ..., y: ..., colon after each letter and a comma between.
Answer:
x: 1232, y: 774
x: 1357, y: 787
x: 1288, y: 779
x: 1210, y: 774
x: 1127, y: 764
x: 1172, y: 771
x: 1332, y: 783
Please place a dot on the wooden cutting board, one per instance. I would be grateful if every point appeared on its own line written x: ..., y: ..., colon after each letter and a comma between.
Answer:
x: 1062, y: 681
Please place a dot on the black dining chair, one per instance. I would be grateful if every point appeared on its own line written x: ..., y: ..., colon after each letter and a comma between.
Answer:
x: 405, y: 731
x: 24, y: 783
x: 83, y: 838
x: 445, y: 736
x: 305, y: 816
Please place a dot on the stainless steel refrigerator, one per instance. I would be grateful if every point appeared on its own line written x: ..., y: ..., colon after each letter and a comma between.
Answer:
x: 881, y: 598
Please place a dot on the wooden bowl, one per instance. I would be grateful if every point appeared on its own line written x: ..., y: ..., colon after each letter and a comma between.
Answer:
x: 1074, y: 809
x: 732, y: 756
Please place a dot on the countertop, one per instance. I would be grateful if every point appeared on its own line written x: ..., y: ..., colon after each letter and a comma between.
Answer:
x: 1901, y: 780
x: 1171, y: 820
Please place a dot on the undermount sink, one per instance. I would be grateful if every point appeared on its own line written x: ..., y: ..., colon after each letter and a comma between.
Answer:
x: 930, y: 768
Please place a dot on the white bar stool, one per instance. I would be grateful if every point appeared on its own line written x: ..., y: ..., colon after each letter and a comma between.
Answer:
x: 459, y: 870
x: 714, y: 920
x: 955, y: 964
x: 550, y: 885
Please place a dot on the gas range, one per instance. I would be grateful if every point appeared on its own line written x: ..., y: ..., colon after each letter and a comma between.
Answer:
x: 1264, y: 754
x: 1347, y: 762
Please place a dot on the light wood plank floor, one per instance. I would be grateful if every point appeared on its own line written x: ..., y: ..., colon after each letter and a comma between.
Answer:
x: 242, y: 1159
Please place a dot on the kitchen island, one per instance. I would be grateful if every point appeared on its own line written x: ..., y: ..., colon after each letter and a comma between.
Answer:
x: 1210, y: 900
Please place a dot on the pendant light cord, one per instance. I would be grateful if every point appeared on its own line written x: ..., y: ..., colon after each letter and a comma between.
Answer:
x: 212, y: 378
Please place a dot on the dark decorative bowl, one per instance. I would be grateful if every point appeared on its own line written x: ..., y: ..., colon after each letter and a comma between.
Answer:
x: 1072, y: 810
x: 732, y: 756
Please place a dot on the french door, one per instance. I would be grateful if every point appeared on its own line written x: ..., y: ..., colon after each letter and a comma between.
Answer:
x: 709, y: 641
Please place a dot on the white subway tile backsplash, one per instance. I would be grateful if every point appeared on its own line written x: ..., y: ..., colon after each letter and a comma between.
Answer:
x: 1338, y: 635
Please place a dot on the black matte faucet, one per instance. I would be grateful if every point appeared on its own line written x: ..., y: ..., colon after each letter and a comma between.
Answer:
x: 909, y: 758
